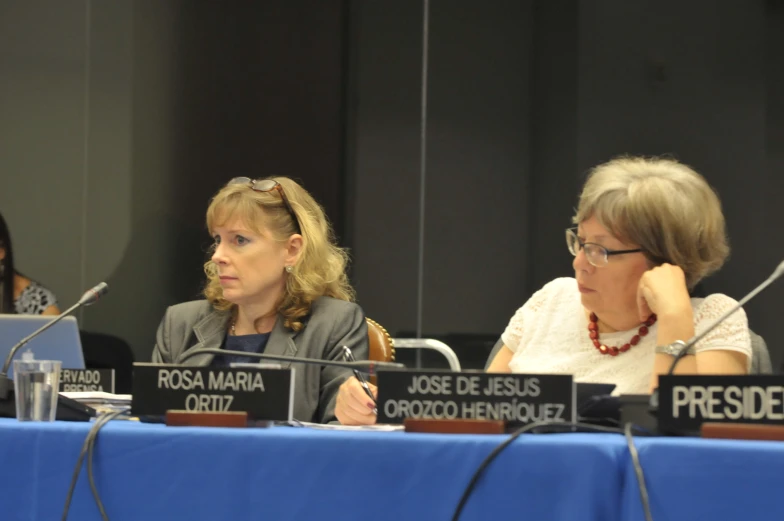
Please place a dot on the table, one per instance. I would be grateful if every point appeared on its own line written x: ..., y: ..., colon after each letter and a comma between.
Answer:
x: 693, y: 478
x: 153, y: 472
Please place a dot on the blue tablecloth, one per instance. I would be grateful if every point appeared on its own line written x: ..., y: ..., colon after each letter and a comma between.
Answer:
x: 694, y: 479
x: 151, y: 472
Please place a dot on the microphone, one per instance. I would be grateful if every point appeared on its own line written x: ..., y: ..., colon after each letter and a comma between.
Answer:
x: 778, y: 272
x: 369, y: 366
x: 93, y: 295
x: 90, y: 297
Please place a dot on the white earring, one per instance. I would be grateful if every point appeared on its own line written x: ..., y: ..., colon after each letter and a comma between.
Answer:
x: 289, y: 269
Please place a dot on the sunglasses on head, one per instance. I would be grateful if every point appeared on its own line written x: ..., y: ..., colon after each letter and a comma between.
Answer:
x: 268, y: 185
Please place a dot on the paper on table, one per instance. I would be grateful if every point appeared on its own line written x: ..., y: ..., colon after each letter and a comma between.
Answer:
x: 98, y: 397
x: 339, y: 427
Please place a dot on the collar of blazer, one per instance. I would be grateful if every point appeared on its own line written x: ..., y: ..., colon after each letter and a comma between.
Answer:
x: 211, y: 330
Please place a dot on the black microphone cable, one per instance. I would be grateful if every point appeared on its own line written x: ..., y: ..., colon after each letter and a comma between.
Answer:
x: 88, y: 448
x: 556, y: 427
x: 643, y: 488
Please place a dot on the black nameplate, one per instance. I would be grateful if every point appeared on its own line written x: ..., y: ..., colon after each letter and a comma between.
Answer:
x: 687, y: 401
x: 86, y: 380
x: 517, y: 399
x: 264, y: 393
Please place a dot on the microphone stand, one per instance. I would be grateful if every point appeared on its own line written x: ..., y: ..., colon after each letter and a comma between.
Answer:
x: 369, y: 366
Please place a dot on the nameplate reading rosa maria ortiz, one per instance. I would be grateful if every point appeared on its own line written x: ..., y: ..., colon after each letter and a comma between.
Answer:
x: 264, y: 393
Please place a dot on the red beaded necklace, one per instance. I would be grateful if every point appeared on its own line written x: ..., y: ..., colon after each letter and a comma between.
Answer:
x: 593, y: 332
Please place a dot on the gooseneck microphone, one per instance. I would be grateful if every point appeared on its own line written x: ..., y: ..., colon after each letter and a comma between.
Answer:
x: 368, y: 366
x: 685, y: 346
x: 91, y: 296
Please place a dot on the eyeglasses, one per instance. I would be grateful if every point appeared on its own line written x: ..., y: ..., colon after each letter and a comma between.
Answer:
x: 596, y: 254
x: 268, y: 185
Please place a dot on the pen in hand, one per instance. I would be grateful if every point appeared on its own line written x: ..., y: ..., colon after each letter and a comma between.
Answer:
x: 349, y: 357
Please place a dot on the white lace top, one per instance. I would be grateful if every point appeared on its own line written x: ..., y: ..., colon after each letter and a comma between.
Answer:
x: 549, y: 334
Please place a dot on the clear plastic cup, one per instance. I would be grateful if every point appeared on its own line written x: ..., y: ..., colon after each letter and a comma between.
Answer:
x: 36, y: 386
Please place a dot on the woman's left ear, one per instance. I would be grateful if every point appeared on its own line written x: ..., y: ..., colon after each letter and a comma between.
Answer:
x: 293, y: 249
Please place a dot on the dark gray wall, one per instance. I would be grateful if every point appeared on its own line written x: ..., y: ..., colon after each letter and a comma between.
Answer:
x: 65, y: 139
x: 765, y: 314
x: 479, y: 131
x: 384, y: 157
x: 555, y: 137
x: 477, y: 168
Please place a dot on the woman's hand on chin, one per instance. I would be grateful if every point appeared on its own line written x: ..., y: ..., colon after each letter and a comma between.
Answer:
x: 662, y: 290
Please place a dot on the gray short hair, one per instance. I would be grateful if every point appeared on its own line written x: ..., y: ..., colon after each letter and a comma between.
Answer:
x: 664, y: 206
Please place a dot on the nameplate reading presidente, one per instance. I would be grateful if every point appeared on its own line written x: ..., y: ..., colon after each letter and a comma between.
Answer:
x: 264, y: 393
x: 86, y: 380
x: 687, y: 401
x: 517, y: 399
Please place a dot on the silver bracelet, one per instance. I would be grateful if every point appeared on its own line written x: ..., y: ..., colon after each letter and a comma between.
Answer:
x: 675, y: 348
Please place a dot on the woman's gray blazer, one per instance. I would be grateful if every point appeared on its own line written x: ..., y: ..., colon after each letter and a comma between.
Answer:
x: 332, y: 323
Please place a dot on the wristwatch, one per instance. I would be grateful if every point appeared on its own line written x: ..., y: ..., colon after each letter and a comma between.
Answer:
x: 675, y: 348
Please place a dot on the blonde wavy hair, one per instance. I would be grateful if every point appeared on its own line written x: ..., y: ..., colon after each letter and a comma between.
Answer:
x: 321, y: 267
x: 664, y: 206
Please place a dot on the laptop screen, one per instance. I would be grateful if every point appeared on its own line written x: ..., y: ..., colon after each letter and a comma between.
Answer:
x: 59, y: 342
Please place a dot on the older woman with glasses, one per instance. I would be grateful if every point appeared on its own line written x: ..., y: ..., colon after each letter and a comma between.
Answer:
x: 276, y: 284
x: 647, y: 231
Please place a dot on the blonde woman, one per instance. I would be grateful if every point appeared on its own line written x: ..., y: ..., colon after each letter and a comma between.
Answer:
x: 276, y: 283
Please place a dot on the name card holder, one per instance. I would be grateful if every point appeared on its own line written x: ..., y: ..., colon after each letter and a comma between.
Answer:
x: 742, y: 431
x: 87, y: 380
x: 687, y: 402
x: 472, y: 402
x: 206, y: 419
x: 454, y: 426
x: 212, y: 396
